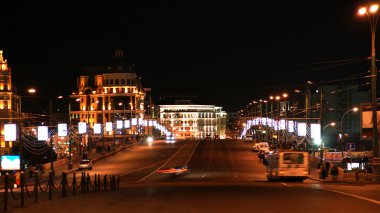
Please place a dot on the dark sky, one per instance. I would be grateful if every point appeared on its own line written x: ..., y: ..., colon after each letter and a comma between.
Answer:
x: 226, y: 53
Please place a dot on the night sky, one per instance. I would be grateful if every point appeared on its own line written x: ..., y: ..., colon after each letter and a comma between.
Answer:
x: 227, y: 54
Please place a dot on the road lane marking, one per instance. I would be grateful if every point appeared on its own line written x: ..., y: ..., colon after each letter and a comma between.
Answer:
x: 287, y: 185
x: 356, y: 196
x: 163, y: 164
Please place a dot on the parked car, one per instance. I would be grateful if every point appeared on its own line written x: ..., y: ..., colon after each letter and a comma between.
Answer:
x: 85, y: 164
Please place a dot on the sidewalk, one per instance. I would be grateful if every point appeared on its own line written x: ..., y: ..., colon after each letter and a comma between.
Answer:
x: 62, y: 164
x: 342, y: 177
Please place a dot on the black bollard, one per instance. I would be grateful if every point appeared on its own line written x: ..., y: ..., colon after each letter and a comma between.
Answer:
x: 88, y: 183
x: 64, y: 184
x: 36, y: 186
x: 74, y: 183
x: 99, y: 183
x: 96, y: 183
x: 105, y: 183
x: 50, y: 184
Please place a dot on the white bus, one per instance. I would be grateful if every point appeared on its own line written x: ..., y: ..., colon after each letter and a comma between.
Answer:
x: 287, y: 165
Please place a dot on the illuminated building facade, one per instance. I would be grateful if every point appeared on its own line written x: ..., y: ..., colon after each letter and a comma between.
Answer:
x: 9, y: 111
x: 107, y: 93
x: 194, y: 121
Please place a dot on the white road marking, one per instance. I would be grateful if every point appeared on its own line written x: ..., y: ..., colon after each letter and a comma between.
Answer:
x: 356, y: 196
x: 287, y: 185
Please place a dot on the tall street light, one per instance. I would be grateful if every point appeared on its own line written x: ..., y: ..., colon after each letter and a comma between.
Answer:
x: 372, y: 13
x: 322, y: 143
x: 355, y: 109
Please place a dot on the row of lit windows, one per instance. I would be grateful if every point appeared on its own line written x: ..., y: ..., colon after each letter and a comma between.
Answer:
x: 118, y: 90
x: 201, y: 115
x: 119, y: 82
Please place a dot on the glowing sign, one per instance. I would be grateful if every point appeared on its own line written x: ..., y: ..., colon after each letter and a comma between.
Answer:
x: 282, y: 124
x: 43, y: 133
x: 82, y: 127
x: 10, y: 132
x: 301, y: 129
x: 62, y: 130
x: 290, y: 126
x: 108, y: 126
x: 119, y: 124
x: 10, y: 162
x: 315, y: 131
x: 134, y: 121
x: 97, y: 129
x: 127, y: 124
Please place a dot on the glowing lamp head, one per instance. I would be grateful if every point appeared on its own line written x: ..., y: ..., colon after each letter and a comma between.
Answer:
x: 285, y: 95
x: 271, y: 97
x: 332, y: 124
x: 362, y: 11
x: 278, y: 97
x: 374, y: 8
x: 355, y: 109
x: 31, y: 90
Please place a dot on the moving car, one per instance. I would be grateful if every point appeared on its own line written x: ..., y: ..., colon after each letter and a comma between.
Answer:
x: 85, y: 164
x: 173, y: 170
x: 261, y: 146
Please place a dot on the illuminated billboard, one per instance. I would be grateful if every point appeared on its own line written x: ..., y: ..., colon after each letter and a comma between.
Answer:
x: 10, y: 162
x: 10, y: 132
x: 97, y: 129
x: 82, y: 127
x: 62, y: 130
x: 43, y: 133
x: 108, y: 126
x: 301, y: 129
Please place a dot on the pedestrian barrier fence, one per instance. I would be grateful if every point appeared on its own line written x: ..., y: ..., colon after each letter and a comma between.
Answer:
x: 31, y: 190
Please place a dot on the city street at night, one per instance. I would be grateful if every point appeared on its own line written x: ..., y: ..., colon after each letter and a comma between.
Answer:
x: 224, y: 176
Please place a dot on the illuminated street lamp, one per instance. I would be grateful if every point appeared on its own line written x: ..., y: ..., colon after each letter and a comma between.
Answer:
x: 322, y: 143
x: 341, y: 136
x: 372, y: 13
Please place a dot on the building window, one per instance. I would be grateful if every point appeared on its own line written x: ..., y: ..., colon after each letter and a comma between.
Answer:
x: 117, y: 81
x: 128, y: 81
x: 106, y: 82
x: 117, y: 90
x: 122, y: 81
x: 111, y: 81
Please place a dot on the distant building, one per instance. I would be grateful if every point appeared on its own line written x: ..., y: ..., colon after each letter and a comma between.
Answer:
x: 188, y: 120
x: 108, y: 93
x: 9, y: 101
x: 336, y: 101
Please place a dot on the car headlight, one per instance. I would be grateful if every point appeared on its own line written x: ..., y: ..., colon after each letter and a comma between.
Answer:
x: 149, y: 139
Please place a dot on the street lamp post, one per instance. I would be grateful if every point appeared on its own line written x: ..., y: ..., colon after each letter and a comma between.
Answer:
x: 322, y: 136
x: 123, y: 129
x: 355, y: 109
x: 373, y: 16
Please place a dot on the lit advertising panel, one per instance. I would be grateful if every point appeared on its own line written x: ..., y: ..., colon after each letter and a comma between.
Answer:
x: 290, y: 126
x: 134, y: 121
x: 97, y: 129
x: 127, y: 124
x: 108, y: 126
x: 10, y: 162
x: 43, y: 133
x: 119, y: 124
x: 62, y: 130
x: 10, y: 132
x: 301, y: 129
x: 82, y: 127
x: 315, y: 131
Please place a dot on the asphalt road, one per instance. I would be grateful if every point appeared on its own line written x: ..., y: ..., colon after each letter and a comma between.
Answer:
x: 223, y: 177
